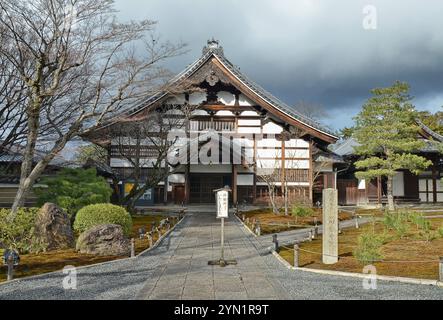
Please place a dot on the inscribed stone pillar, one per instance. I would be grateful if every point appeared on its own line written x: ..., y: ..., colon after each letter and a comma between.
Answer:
x: 330, y: 226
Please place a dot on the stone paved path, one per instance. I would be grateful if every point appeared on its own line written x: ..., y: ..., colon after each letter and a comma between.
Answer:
x: 178, y: 269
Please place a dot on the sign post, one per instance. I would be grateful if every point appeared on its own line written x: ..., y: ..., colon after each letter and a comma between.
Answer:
x: 222, y: 203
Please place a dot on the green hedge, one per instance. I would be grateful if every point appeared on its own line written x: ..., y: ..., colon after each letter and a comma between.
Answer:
x: 18, y: 235
x: 102, y: 213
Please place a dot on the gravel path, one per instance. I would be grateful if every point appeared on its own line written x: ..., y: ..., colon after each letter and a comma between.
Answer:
x: 178, y: 269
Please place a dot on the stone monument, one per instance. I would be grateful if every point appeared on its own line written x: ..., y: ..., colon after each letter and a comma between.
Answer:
x: 330, y: 226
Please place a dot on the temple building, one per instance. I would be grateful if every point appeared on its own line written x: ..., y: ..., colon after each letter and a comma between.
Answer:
x: 269, y: 143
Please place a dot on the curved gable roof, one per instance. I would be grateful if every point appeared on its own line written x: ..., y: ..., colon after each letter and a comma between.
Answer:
x: 214, y: 51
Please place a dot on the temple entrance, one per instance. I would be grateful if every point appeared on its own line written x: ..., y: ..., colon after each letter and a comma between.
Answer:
x: 202, y: 186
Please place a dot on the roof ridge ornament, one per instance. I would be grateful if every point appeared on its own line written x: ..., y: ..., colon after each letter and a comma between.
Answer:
x: 213, y: 46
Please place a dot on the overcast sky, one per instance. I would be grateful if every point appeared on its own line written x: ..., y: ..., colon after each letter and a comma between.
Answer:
x: 310, y: 50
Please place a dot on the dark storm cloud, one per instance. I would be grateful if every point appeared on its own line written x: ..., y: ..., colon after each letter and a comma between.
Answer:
x: 315, y: 51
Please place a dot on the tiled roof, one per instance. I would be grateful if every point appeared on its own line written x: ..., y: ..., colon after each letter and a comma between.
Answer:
x: 429, y: 131
x: 217, y: 52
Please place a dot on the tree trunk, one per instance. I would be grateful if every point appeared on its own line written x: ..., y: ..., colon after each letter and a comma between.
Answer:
x: 391, y: 205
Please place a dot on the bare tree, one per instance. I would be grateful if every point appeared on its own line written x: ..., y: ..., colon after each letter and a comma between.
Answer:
x: 144, y: 142
x: 79, y: 66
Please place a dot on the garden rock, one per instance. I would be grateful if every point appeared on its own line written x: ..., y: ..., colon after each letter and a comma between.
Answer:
x: 104, y: 240
x: 52, y: 229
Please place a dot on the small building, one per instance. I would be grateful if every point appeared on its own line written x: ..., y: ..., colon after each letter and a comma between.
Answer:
x: 10, y: 166
x: 407, y: 187
x: 267, y: 137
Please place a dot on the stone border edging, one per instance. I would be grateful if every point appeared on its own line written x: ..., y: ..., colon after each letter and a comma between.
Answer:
x: 359, y: 275
x: 95, y: 264
x: 245, y: 226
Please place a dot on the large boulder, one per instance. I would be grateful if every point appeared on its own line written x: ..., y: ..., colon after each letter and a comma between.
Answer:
x: 104, y: 240
x: 52, y: 229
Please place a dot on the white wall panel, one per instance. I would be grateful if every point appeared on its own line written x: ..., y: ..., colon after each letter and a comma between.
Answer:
x: 398, y: 187
x: 271, y: 127
x: 249, y: 122
x: 249, y: 130
x: 245, y: 179
x: 244, y: 101
x: 226, y: 98
x: 196, y: 98
x: 297, y: 164
x: 297, y: 143
x: 296, y: 153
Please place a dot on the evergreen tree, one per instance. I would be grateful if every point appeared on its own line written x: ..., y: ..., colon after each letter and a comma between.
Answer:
x: 388, y: 136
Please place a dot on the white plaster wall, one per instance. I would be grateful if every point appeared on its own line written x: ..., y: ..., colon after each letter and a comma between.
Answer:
x: 226, y: 98
x: 199, y: 112
x: 176, y: 178
x: 297, y: 143
x: 224, y: 113
x: 245, y: 179
x: 296, y: 153
x: 249, y: 122
x: 249, y: 113
x: 268, y: 153
x: 244, y: 101
x: 176, y: 99
x: 268, y: 143
x: 196, y: 98
x: 271, y: 127
x: 250, y: 130
x: 398, y: 188
x: 297, y: 164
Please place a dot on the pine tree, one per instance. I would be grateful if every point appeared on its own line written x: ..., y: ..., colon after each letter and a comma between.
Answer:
x: 388, y: 136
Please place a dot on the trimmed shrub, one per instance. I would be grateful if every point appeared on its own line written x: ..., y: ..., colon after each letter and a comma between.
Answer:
x: 73, y: 189
x: 102, y: 213
x: 301, y: 211
x: 18, y: 235
x: 368, y: 248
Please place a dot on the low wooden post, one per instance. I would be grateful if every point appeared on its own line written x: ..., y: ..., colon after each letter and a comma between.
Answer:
x: 275, y: 241
x: 150, y: 240
x: 315, y: 221
x: 316, y: 232
x: 10, y: 264
x: 356, y: 222
x: 310, y: 235
x: 258, y: 229
x: 296, y: 255
x: 441, y: 269
x: 132, y: 248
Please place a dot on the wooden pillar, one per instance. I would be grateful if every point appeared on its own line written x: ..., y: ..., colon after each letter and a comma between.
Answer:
x: 234, y: 184
x: 187, y: 183
x: 434, y: 180
x: 283, y: 163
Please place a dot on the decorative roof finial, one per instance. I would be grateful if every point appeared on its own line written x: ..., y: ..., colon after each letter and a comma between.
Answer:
x: 213, y: 46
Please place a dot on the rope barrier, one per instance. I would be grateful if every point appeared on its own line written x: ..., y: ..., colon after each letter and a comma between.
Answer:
x: 353, y: 258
